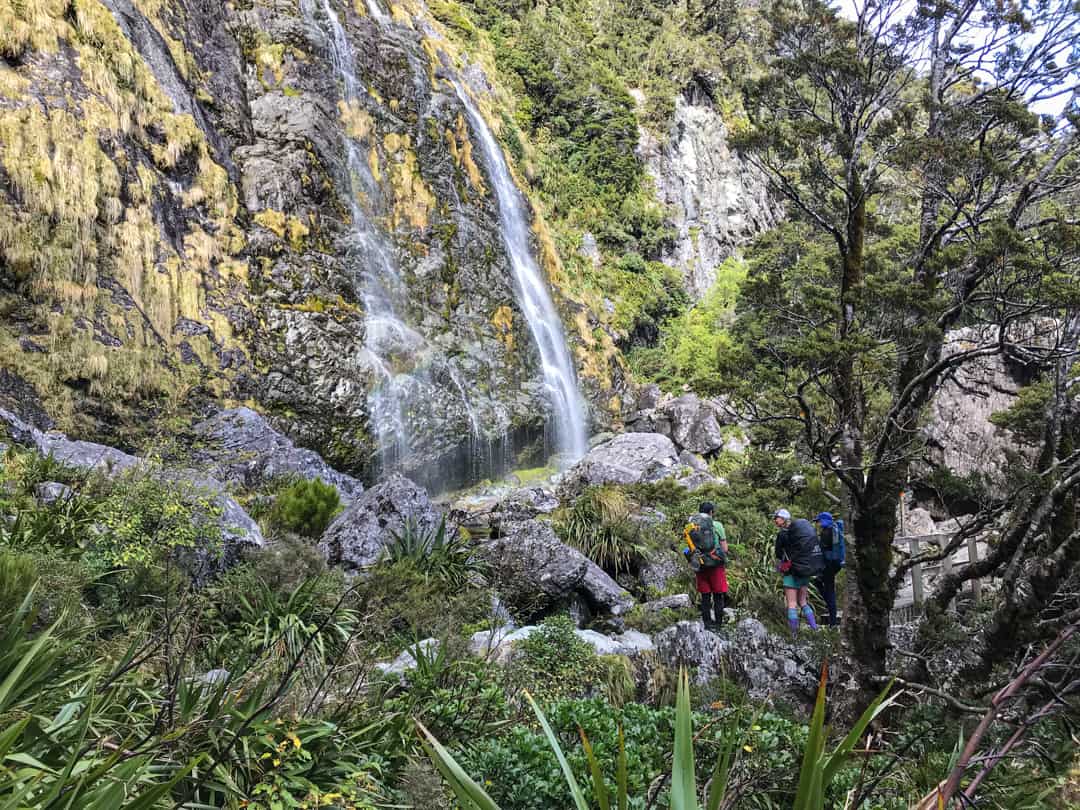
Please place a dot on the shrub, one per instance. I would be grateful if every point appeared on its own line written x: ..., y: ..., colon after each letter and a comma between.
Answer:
x: 437, y: 554
x: 305, y: 507
x: 17, y: 575
x: 553, y: 663
x: 600, y: 525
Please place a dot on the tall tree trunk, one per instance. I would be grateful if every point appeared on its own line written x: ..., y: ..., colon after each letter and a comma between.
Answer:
x: 870, y: 596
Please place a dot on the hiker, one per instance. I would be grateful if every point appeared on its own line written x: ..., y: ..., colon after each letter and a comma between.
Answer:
x: 707, y: 550
x: 831, y: 538
x: 799, y: 559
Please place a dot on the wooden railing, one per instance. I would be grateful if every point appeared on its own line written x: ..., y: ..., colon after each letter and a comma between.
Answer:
x: 917, y: 575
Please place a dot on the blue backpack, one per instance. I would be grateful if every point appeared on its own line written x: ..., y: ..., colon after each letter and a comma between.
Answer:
x: 838, y: 554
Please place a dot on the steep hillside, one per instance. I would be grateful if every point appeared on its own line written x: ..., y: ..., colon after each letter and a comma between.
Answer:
x: 287, y: 203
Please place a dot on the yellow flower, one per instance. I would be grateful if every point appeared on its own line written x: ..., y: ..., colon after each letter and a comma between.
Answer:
x: 276, y: 762
x: 294, y: 738
x: 748, y: 749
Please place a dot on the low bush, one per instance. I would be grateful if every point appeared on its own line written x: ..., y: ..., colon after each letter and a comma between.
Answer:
x: 445, y: 556
x: 601, y: 525
x: 305, y: 507
x: 554, y: 664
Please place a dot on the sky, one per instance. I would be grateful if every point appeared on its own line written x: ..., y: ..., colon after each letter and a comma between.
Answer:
x: 1052, y: 106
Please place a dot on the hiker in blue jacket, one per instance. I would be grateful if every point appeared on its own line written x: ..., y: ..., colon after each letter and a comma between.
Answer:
x: 831, y: 549
x: 798, y: 558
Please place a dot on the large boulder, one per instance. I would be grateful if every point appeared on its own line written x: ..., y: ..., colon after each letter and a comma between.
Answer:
x: 238, y: 528
x: 764, y: 664
x: 768, y: 666
x: 357, y: 537
x: 241, y: 447
x: 694, y: 424
x: 630, y: 458
x: 688, y: 644
x: 534, y: 573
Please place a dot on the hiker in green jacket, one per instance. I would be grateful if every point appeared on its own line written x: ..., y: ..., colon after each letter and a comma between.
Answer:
x: 711, y: 578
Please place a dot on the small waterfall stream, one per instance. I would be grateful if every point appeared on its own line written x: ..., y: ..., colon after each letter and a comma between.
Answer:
x: 533, y: 297
x: 389, y: 343
x: 408, y: 371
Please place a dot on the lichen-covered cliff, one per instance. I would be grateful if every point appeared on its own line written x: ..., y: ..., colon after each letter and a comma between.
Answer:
x: 283, y: 202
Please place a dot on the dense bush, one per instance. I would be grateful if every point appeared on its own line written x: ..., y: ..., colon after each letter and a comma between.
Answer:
x: 305, y: 507
x: 601, y: 524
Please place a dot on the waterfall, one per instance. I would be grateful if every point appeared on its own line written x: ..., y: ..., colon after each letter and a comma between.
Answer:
x: 389, y: 343
x: 536, y: 304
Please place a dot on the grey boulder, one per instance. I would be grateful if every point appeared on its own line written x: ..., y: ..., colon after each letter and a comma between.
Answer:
x: 240, y: 446
x: 694, y: 424
x: 358, y: 536
x: 534, y: 572
x: 49, y: 492
x: 688, y: 644
x: 630, y: 458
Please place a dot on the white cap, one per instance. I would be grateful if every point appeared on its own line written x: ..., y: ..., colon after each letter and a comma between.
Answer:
x: 782, y: 513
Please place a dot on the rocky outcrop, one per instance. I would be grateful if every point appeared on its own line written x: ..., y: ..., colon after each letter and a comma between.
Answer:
x: 281, y: 202
x: 240, y: 446
x: 630, y: 458
x: 688, y: 644
x: 535, y: 573
x: 958, y: 429
x: 238, y: 529
x: 765, y: 665
x: 694, y: 425
x: 357, y: 537
x: 718, y: 200
x: 769, y: 667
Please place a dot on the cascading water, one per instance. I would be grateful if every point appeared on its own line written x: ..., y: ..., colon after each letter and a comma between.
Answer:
x: 388, y: 341
x: 536, y: 304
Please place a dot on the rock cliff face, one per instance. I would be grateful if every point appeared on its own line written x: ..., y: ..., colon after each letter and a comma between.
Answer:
x: 717, y: 200
x: 194, y: 199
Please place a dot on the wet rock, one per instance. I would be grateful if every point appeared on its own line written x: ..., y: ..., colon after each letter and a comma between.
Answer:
x: 357, y: 537
x: 241, y: 447
x: 534, y: 572
x: 630, y: 458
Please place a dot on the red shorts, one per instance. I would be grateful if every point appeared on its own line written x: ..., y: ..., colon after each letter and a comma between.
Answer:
x: 712, y: 580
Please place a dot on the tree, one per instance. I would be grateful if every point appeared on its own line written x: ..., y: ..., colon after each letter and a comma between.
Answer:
x: 931, y: 198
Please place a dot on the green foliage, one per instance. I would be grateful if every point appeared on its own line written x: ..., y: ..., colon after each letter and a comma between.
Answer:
x: 1026, y: 417
x: 692, y: 344
x: 601, y: 524
x: 553, y: 663
x: 305, y: 507
x: 455, y: 694
x: 443, y: 556
x: 143, y: 516
x: 253, y: 620
x: 18, y: 573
